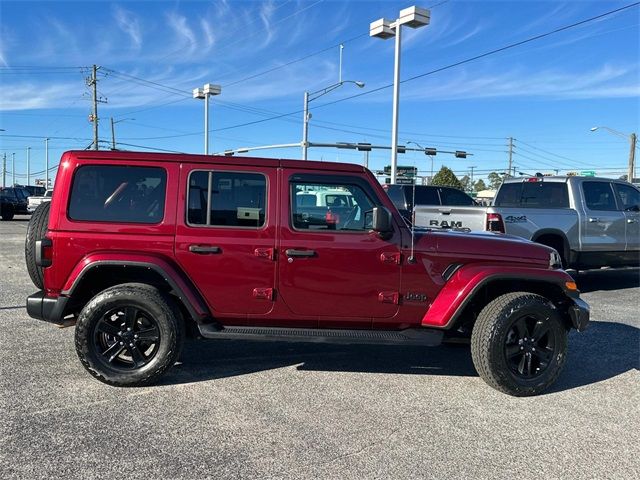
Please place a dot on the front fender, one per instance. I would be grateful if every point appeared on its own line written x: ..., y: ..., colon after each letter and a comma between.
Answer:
x: 467, y: 280
x: 179, y: 284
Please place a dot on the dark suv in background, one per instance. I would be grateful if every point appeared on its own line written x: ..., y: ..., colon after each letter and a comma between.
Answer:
x: 13, y: 200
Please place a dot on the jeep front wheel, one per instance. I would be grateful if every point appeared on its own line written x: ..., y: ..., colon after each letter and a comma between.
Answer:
x: 129, y: 335
x: 519, y: 344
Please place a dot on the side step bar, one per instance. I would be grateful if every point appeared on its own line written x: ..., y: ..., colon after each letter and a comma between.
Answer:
x: 410, y: 336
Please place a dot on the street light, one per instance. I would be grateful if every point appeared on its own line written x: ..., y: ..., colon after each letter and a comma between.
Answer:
x: 204, y: 94
x: 413, y: 17
x: 431, y: 152
x: 632, y: 151
x: 309, y: 97
x: 113, y: 131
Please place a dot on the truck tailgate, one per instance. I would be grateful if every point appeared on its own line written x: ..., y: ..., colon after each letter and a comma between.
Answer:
x: 472, y: 217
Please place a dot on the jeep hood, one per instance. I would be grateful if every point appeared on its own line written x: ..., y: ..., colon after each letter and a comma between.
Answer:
x: 482, y: 244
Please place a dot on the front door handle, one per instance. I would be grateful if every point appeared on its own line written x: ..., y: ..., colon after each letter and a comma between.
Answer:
x: 632, y: 220
x: 204, y: 249
x: 593, y: 220
x: 299, y: 253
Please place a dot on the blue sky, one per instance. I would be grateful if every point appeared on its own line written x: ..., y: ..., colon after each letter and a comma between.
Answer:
x: 546, y: 94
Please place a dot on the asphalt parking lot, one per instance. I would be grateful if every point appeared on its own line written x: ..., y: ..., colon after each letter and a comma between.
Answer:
x: 235, y: 409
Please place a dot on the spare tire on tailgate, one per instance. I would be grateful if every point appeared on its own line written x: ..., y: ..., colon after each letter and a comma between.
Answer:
x: 36, y: 230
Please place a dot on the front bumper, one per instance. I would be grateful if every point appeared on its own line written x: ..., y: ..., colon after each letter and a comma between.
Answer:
x: 579, y: 313
x: 49, y: 309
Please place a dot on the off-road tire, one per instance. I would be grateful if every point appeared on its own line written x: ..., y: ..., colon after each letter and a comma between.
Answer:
x: 145, y: 298
x: 36, y: 230
x: 488, y: 347
x: 7, y: 212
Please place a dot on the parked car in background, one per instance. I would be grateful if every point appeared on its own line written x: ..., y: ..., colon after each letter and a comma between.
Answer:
x: 435, y: 206
x: 592, y: 222
x: 34, y: 201
x: 35, y: 190
x: 14, y: 202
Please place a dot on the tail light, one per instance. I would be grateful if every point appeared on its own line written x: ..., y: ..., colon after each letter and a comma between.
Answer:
x: 495, y: 223
x: 44, y: 252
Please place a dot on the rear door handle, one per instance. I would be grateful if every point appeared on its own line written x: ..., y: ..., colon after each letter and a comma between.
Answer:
x: 204, y: 249
x: 632, y: 220
x: 299, y: 253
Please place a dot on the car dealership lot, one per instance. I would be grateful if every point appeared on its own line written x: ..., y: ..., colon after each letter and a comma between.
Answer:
x: 235, y: 409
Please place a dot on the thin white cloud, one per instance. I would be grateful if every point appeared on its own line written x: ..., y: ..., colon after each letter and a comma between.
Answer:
x: 182, y: 30
x: 209, y: 37
x: 129, y: 24
x: 605, y: 82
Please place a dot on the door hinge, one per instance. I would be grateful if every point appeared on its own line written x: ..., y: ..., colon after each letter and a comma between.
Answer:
x: 390, y: 257
x: 389, y: 297
x: 263, y: 293
x: 269, y: 253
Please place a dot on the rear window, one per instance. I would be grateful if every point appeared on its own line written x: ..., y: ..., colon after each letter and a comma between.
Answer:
x: 451, y: 196
x: 112, y: 193
x: 424, y: 196
x: 533, y: 195
x: 396, y: 195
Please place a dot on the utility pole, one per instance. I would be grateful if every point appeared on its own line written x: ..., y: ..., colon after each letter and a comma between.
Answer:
x: 28, y: 166
x: 510, y: 155
x: 113, y: 136
x: 472, y: 167
x: 13, y: 169
x: 366, y: 159
x: 4, y: 170
x: 632, y: 158
x: 46, y: 163
x: 92, y: 82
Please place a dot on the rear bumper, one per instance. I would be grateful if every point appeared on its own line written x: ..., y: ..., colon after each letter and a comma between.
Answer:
x: 579, y: 313
x: 48, y: 309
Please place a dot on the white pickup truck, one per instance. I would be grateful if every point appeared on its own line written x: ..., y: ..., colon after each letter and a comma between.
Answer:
x: 592, y: 222
x: 34, y: 202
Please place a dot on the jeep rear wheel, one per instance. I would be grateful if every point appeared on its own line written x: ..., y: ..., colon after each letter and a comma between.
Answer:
x: 129, y: 335
x: 519, y: 344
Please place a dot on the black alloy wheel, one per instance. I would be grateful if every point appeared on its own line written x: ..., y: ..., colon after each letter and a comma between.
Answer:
x: 129, y: 335
x: 519, y: 343
x: 530, y: 346
x: 127, y: 338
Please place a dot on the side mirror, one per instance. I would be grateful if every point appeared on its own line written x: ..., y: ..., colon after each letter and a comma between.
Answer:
x: 381, y: 221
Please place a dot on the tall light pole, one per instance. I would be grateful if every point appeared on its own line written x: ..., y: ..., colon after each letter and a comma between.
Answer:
x: 308, y: 97
x: 113, y: 131
x: 204, y: 94
x: 632, y: 151
x: 46, y: 163
x: 28, y: 166
x: 413, y: 17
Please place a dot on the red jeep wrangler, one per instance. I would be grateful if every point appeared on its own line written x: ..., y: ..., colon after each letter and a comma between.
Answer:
x: 139, y: 248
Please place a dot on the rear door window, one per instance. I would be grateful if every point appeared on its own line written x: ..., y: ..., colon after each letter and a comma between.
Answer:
x: 599, y: 196
x: 114, y: 193
x: 227, y: 199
